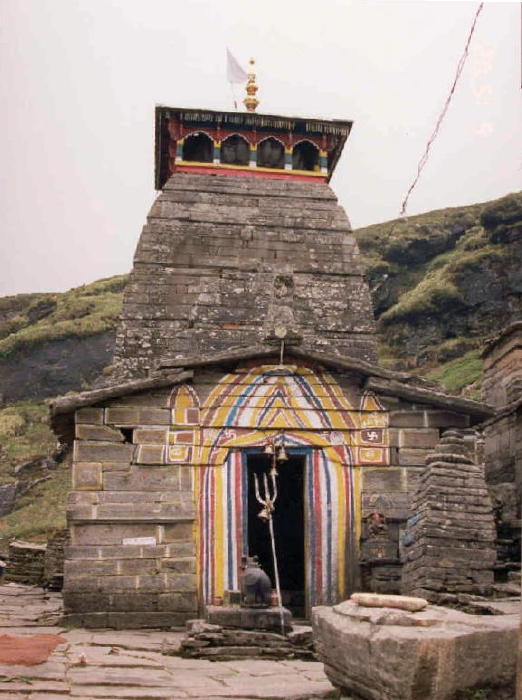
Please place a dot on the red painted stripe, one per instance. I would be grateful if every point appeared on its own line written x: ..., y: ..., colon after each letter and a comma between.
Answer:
x: 238, y: 509
x: 247, y: 173
x: 211, y: 535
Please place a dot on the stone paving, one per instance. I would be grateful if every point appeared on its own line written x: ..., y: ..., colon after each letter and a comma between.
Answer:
x: 108, y: 664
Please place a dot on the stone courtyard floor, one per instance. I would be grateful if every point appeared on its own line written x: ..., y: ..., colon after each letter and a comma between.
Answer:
x: 97, y: 664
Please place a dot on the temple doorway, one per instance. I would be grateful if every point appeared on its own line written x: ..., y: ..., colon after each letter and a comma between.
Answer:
x: 289, y: 526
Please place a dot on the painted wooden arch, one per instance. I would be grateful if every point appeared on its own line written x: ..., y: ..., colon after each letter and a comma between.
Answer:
x: 245, y: 410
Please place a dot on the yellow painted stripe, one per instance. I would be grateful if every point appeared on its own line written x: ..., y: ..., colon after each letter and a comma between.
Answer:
x: 341, y: 532
x: 222, y: 166
x: 218, y: 530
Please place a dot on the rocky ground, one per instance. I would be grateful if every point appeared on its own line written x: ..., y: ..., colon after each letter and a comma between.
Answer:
x: 142, y: 664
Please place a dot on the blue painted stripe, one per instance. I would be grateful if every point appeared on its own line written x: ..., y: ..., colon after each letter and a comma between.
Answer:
x: 312, y: 526
x: 327, y: 522
x: 244, y: 501
x: 243, y: 398
x: 230, y: 543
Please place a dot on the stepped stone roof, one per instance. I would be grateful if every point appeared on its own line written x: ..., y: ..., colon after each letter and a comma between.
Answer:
x: 226, y: 261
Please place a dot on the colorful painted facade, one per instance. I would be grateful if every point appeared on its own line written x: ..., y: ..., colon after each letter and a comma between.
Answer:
x: 306, y: 409
x: 309, y: 148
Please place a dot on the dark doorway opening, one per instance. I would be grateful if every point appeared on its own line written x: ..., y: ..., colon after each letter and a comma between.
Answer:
x: 288, y: 519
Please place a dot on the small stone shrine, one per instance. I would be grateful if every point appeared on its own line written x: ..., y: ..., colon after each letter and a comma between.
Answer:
x: 449, y: 543
x: 246, y: 331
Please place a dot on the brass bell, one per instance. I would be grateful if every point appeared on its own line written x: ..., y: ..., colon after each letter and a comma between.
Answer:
x: 273, y: 472
x: 264, y: 514
x: 269, y: 448
x: 281, y: 454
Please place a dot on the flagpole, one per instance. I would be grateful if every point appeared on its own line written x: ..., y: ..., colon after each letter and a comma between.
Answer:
x: 234, y: 100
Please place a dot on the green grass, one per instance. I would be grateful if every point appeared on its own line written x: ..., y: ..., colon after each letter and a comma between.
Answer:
x: 41, y: 511
x: 80, y: 312
x: 435, y: 292
x: 459, y: 373
x: 24, y: 434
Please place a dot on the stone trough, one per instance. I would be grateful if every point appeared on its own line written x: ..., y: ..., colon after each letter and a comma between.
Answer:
x: 387, y: 653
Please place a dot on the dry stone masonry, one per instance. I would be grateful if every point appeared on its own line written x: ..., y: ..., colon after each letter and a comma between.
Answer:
x: 25, y: 563
x: 449, y: 544
x: 220, y: 255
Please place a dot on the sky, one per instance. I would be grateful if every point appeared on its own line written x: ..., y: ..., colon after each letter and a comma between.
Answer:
x: 79, y: 81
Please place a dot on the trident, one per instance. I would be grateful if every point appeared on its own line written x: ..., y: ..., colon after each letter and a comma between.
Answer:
x: 266, y: 514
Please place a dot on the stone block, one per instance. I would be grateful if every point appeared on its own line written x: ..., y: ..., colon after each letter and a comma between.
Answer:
x: 143, y: 512
x: 79, y: 512
x: 152, y: 436
x: 420, y: 439
x: 437, y: 653
x: 154, y: 416
x: 89, y: 415
x: 87, y: 476
x: 406, y: 419
x: 179, y: 602
x: 113, y: 584
x: 80, y: 601
x: 183, y: 530
x: 446, y: 419
x: 151, y: 583
x: 179, y: 582
x: 82, y: 552
x: 412, y: 457
x: 116, y: 466
x: 138, y: 567
x: 98, y: 432
x: 383, y: 479
x: 92, y: 567
x: 180, y: 565
x: 394, y: 505
x: 136, y: 620
x: 105, y: 534
x: 125, y: 416
x: 181, y: 549
x: 249, y: 618
x: 170, y: 479
x: 102, y: 451
x: 151, y: 454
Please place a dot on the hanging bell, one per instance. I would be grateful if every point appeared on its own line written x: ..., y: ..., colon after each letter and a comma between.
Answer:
x: 281, y: 454
x: 269, y: 448
x: 273, y: 472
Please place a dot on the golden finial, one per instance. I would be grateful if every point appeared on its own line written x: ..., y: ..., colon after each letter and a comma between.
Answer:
x: 251, y: 100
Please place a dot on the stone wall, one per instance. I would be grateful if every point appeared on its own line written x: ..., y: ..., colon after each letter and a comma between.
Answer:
x: 221, y: 260
x: 25, y: 563
x: 449, y: 543
x: 502, y: 388
x: 502, y: 382
x: 54, y: 560
x: 131, y: 561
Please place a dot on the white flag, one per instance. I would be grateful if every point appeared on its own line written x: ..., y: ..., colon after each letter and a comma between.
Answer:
x: 235, y: 74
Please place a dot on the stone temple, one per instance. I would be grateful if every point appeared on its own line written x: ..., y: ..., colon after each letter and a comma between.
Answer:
x: 246, y: 336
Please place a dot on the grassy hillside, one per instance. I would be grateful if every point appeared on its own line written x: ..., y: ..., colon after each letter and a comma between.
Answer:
x: 443, y: 282
x: 29, y: 319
